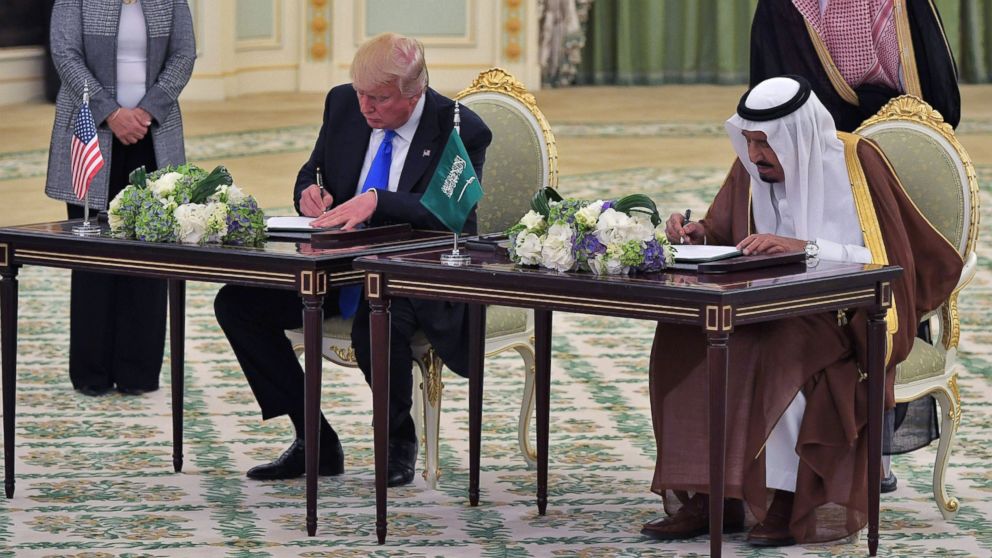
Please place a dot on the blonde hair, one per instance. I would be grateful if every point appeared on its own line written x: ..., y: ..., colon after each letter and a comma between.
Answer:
x: 389, y: 57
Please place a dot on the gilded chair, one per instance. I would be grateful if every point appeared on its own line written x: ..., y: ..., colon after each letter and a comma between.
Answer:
x: 521, y: 158
x: 939, y: 177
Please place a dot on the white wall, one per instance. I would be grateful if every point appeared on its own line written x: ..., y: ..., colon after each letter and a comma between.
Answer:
x: 254, y: 46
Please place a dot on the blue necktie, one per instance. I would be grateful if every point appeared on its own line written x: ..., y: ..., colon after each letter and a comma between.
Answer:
x: 378, y: 177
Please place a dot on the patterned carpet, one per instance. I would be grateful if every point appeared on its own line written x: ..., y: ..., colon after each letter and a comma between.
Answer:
x: 95, y: 479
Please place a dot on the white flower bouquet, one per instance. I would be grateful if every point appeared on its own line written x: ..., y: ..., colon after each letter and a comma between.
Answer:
x: 186, y: 204
x: 605, y: 237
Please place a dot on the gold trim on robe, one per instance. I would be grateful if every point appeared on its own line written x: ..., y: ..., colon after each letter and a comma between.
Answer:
x: 870, y: 228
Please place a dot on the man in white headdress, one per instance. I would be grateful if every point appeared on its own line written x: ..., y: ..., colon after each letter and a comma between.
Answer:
x: 796, y: 423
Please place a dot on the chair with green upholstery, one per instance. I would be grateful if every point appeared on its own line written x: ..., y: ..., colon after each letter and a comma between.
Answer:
x: 521, y: 158
x: 939, y: 177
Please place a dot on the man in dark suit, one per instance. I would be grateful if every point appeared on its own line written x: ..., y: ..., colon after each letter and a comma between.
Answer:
x: 380, y: 142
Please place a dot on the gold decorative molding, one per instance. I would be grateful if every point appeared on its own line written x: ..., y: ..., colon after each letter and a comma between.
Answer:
x: 313, y: 282
x: 955, y: 410
x: 513, y: 26
x: 4, y: 255
x: 346, y: 355
x: 372, y: 281
x: 34, y: 256
x: 950, y: 325
x: 719, y: 318
x: 498, y: 80
x: 432, y: 377
x: 318, y: 28
x: 413, y: 288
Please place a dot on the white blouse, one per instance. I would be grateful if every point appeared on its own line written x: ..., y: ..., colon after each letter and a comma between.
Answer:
x: 132, y: 55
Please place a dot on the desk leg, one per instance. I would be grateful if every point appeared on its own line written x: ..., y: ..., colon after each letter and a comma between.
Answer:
x: 717, y: 363
x: 876, y: 404
x: 542, y: 381
x: 177, y: 348
x: 8, y: 353
x: 476, y: 361
x: 313, y: 322
x: 379, y: 332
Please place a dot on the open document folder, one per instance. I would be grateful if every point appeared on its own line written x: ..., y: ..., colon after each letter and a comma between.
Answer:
x: 698, y: 253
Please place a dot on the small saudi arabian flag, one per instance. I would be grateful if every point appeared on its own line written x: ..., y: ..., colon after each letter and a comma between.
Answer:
x: 454, y: 190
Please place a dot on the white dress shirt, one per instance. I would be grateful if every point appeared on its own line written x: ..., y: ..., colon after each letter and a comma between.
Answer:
x: 401, y: 146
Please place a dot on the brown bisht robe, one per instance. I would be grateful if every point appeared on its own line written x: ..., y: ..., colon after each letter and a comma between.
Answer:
x: 771, y: 362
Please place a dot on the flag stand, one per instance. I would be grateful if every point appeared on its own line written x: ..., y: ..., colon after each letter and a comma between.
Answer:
x: 86, y: 228
x: 456, y: 258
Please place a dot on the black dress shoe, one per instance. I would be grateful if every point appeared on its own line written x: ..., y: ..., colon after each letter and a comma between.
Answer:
x: 292, y: 463
x: 94, y: 391
x: 124, y: 390
x: 402, y: 462
x: 889, y: 483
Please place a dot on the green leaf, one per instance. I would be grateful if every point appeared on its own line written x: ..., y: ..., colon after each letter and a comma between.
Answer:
x: 541, y: 202
x: 138, y: 177
x: 206, y: 186
x: 638, y: 203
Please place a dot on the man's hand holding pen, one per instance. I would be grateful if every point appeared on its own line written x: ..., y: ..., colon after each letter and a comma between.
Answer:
x: 315, y: 200
x: 681, y: 230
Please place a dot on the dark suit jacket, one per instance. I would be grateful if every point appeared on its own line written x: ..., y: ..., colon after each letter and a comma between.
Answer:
x: 340, y: 152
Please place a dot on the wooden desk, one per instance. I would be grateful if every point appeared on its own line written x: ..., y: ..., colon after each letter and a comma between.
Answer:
x: 714, y: 303
x: 281, y: 265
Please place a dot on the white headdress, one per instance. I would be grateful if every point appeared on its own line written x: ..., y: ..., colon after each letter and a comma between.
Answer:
x: 803, y: 135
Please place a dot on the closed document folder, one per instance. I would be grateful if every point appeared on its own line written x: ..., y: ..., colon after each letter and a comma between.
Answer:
x: 698, y: 253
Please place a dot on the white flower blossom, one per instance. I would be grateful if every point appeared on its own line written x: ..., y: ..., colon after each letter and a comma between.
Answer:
x: 640, y: 228
x: 528, y: 248
x: 235, y: 195
x: 588, y: 216
x: 610, y: 226
x: 165, y: 184
x: 557, y: 251
x: 191, y: 222
x: 533, y: 221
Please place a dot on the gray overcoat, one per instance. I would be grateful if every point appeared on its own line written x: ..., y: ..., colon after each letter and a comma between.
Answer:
x: 84, y: 49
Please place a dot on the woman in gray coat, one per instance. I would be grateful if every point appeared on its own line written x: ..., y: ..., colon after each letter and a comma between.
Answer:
x: 135, y: 57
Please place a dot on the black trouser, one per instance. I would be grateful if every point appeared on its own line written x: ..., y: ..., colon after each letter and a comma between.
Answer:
x: 117, y: 323
x: 255, y: 320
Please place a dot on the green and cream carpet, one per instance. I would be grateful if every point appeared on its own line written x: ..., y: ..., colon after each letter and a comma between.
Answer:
x: 95, y: 479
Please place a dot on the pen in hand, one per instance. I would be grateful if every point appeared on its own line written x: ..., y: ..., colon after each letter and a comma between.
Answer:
x: 685, y: 221
x: 320, y: 183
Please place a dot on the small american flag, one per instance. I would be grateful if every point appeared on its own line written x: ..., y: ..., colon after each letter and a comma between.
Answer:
x: 86, y: 157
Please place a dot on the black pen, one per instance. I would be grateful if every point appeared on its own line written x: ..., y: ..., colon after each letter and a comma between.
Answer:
x: 320, y: 183
x: 685, y: 221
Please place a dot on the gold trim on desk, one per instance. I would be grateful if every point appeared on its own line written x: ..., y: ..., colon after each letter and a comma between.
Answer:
x: 510, y: 296
x: 313, y: 283
x: 758, y: 309
x: 719, y: 318
x: 4, y: 254
x: 155, y: 266
x: 372, y: 286
x: 346, y: 277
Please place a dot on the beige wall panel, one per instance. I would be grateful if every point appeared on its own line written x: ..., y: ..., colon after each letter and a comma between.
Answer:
x: 21, y: 74
x: 308, y: 44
